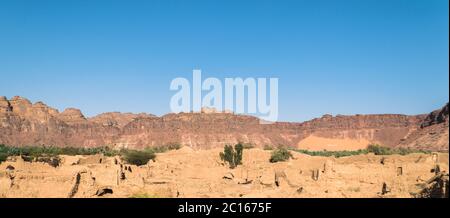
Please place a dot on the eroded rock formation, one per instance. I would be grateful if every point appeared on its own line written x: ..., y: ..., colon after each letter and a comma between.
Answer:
x: 24, y: 123
x: 432, y: 134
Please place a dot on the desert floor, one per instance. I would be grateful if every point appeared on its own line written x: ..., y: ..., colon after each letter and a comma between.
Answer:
x: 189, y: 173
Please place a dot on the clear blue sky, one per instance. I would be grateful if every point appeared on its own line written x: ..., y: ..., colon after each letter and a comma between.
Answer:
x: 338, y: 57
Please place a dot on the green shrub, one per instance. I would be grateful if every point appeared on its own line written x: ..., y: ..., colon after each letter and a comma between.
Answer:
x: 268, y: 147
x: 49, y: 154
x: 405, y: 151
x: 3, y: 157
x: 247, y: 145
x: 376, y: 149
x: 239, y: 148
x: 232, y: 156
x: 137, y: 157
x: 280, y: 154
x: 326, y: 153
x: 37, y: 151
x: 227, y: 155
x: 163, y: 148
x: 27, y: 158
x: 380, y: 150
x: 53, y: 161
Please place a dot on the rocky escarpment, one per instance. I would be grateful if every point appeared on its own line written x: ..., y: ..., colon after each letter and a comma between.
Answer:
x: 5, y: 105
x: 436, y: 117
x: 72, y: 116
x: 117, y: 119
x: 432, y: 134
x: 217, y: 129
x: 24, y: 123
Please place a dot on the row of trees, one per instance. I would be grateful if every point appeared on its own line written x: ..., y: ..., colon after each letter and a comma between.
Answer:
x: 32, y: 153
x: 233, y: 156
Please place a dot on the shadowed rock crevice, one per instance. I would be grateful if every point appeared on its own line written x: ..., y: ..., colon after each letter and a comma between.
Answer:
x: 76, y: 184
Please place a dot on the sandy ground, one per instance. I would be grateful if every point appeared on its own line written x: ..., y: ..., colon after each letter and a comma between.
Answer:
x: 189, y: 173
x: 316, y: 143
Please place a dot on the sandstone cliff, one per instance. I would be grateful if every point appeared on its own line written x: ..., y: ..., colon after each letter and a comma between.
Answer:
x: 432, y: 134
x: 24, y: 123
x: 117, y: 119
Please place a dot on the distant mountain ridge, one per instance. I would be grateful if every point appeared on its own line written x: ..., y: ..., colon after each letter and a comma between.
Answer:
x: 25, y: 123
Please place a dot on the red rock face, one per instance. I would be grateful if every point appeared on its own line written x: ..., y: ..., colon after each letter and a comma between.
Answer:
x: 27, y: 124
x: 117, y: 119
x: 72, y: 116
x: 432, y: 134
x: 436, y: 117
x: 5, y: 106
x: 22, y: 123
